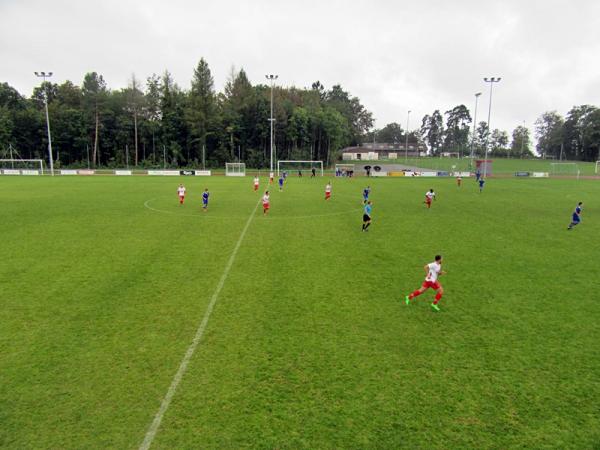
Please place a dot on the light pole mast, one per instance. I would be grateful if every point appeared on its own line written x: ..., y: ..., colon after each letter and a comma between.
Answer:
x: 490, y: 80
x: 272, y: 78
x: 522, y: 139
x: 474, y: 125
x: 406, y: 140
x: 45, y: 75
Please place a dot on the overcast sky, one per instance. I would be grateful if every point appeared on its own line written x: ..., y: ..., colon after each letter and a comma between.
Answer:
x: 394, y: 55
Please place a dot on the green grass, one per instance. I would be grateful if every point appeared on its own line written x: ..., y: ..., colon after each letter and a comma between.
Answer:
x: 310, y: 344
x: 500, y: 166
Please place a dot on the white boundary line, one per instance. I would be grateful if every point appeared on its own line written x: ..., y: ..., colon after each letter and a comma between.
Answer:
x: 152, y: 430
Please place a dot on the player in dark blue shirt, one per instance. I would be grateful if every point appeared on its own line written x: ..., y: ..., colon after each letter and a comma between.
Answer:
x: 281, y: 183
x: 205, y: 195
x: 481, y: 183
x: 366, y: 192
x: 576, y: 217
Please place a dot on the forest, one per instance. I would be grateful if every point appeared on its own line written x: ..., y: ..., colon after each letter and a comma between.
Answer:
x: 156, y: 123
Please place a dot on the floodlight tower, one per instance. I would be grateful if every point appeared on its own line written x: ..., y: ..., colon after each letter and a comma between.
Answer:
x: 272, y: 78
x: 406, y: 140
x: 45, y: 75
x: 491, y: 81
x: 474, y: 124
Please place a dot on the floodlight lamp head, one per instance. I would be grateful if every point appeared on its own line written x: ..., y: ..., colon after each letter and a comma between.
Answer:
x: 37, y: 74
x: 477, y: 94
x: 50, y: 74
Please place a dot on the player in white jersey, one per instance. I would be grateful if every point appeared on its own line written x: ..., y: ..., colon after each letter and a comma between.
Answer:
x: 429, y: 196
x: 181, y: 193
x: 265, y: 202
x: 256, y: 183
x: 433, y: 271
x: 328, y: 191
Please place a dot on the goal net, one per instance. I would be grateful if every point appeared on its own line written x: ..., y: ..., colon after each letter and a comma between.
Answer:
x: 300, y: 167
x: 564, y: 169
x: 235, y: 169
x: 22, y: 167
x: 344, y: 170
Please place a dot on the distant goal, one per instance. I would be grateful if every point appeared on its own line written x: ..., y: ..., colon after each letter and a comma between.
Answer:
x: 564, y: 168
x: 21, y: 167
x: 300, y: 167
x: 235, y: 169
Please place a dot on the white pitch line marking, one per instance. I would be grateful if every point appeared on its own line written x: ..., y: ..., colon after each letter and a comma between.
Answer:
x: 152, y: 430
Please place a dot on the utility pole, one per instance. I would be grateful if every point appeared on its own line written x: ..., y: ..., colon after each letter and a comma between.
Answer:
x: 474, y: 126
x: 45, y: 75
x: 491, y: 81
x: 406, y: 141
x: 272, y: 78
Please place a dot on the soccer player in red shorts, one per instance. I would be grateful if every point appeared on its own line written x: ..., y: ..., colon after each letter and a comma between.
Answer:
x: 181, y: 193
x: 429, y: 195
x: 328, y: 191
x: 433, y: 271
x: 265, y: 202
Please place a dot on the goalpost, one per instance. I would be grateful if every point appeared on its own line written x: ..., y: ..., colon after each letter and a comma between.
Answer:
x: 22, y: 166
x: 564, y: 168
x: 235, y: 169
x: 343, y: 170
x: 299, y: 166
x: 597, y: 163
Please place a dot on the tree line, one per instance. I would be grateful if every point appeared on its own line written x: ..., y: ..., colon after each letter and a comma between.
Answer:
x: 155, y: 122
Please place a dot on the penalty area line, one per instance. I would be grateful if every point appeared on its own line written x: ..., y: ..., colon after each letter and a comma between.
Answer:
x: 153, y: 429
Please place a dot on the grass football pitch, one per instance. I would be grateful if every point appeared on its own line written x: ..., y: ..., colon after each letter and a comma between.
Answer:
x: 104, y: 282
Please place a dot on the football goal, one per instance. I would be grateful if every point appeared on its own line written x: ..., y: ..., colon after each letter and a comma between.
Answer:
x: 344, y: 170
x: 235, y: 169
x: 564, y: 168
x: 22, y: 166
x: 300, y: 167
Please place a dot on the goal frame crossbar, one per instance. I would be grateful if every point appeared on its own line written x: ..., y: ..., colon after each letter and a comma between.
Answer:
x: 239, y: 173
x: 312, y: 164
x: 13, y: 161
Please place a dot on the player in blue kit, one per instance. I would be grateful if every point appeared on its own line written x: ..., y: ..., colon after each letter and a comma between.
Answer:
x: 205, y: 195
x: 576, y: 218
x: 367, y: 216
x: 366, y: 192
x: 281, y: 180
x: 481, y: 183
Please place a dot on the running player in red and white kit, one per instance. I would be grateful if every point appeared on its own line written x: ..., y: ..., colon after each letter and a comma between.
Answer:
x: 265, y: 202
x: 181, y: 193
x: 458, y: 180
x: 433, y: 271
x: 429, y: 196
x: 328, y: 191
x: 256, y: 183
x: 271, y: 177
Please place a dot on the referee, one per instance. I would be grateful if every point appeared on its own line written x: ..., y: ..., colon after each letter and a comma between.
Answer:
x: 367, y: 216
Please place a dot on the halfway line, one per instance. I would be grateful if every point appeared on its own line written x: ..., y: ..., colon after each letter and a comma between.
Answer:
x: 151, y: 433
